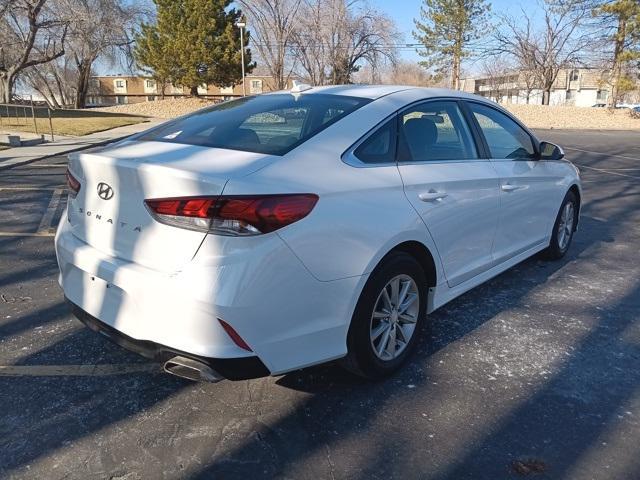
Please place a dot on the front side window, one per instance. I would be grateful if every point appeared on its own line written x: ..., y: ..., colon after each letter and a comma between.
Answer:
x: 435, y: 131
x: 273, y: 124
x: 380, y: 146
x: 506, y: 139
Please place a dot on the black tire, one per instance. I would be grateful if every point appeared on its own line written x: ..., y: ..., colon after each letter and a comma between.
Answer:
x: 361, y: 358
x: 555, y: 250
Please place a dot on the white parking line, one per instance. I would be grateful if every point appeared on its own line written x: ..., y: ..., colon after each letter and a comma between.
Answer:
x: 18, y: 234
x: 46, y: 224
x: 75, y: 370
x: 604, y: 154
x: 45, y: 229
x: 47, y: 165
x: 606, y: 171
x: 30, y: 189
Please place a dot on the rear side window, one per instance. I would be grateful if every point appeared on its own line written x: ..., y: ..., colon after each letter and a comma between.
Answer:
x: 380, y: 147
x: 435, y: 131
x: 272, y: 124
x: 506, y: 139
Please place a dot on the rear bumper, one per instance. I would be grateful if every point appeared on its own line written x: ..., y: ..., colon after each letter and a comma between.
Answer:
x: 242, y: 368
x: 289, y: 319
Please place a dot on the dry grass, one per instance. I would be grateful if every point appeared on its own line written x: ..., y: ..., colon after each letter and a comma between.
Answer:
x: 65, y: 122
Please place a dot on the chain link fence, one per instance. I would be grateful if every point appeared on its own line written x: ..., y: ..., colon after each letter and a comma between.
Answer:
x: 26, y: 117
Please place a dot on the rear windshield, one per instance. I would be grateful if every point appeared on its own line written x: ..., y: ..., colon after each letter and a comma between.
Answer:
x: 273, y: 124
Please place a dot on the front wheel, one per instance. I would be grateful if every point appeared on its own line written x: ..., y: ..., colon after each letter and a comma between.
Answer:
x: 563, y: 228
x: 387, y: 318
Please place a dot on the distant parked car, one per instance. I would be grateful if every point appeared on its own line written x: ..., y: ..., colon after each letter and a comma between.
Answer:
x: 278, y: 231
x: 599, y: 105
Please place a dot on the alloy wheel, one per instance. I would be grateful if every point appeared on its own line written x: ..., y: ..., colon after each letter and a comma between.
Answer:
x: 394, y: 317
x: 565, y: 226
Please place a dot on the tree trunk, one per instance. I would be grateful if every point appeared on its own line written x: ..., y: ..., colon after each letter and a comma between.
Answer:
x: 6, y: 87
x: 617, y: 64
x: 455, y: 73
x: 546, y: 96
x: 194, y: 91
x: 82, y: 85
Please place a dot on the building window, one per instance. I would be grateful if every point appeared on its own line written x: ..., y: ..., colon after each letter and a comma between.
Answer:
x: 151, y: 98
x: 256, y: 86
x: 570, y: 95
x: 151, y: 84
x: 119, y: 83
x: 602, y: 95
x: 121, y: 99
x: 574, y: 75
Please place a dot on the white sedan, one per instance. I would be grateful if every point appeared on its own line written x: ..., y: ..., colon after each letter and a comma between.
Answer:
x: 279, y: 231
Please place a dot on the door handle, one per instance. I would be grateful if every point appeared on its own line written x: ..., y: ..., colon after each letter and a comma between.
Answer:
x: 432, y: 196
x: 507, y: 187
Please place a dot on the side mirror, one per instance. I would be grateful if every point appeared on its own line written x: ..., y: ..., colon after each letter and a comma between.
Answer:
x: 550, y: 151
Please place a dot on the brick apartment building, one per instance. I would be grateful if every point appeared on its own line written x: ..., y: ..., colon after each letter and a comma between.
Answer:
x: 581, y: 87
x: 119, y: 89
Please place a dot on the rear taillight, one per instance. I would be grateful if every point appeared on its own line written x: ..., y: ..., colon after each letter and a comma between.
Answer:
x: 233, y: 215
x: 73, y: 184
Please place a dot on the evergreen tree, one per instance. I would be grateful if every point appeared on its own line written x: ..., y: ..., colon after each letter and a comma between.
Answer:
x: 446, y: 29
x: 193, y: 42
x: 620, y: 20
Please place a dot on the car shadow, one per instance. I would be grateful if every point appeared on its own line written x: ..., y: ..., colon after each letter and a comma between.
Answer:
x: 341, y: 408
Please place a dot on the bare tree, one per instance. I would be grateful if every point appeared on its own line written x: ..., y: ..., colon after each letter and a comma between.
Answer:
x: 308, y: 46
x: 97, y: 29
x: 273, y: 23
x: 498, y: 75
x: 557, y: 45
x: 30, y: 34
x: 528, y: 80
x: 410, y: 73
x: 54, y: 81
x: 335, y: 38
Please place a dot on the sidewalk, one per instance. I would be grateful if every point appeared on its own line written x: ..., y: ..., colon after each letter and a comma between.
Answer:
x: 19, y: 155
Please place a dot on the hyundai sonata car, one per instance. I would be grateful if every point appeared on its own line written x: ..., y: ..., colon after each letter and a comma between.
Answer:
x: 278, y: 231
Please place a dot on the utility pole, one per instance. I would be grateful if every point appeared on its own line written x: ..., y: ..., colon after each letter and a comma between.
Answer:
x: 241, y: 26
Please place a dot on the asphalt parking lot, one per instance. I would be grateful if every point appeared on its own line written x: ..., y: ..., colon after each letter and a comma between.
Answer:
x: 535, y: 374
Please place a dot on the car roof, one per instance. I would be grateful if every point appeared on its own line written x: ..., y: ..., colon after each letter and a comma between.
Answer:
x: 377, y: 91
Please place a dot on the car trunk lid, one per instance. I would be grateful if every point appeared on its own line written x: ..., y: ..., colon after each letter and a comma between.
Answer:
x: 109, y: 211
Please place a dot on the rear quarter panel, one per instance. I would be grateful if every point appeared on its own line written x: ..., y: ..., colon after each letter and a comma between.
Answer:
x: 362, y: 213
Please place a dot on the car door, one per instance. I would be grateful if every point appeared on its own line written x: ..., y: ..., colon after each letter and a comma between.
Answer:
x: 454, y: 190
x: 528, y: 186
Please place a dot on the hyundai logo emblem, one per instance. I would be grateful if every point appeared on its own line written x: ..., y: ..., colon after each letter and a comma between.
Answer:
x: 105, y: 191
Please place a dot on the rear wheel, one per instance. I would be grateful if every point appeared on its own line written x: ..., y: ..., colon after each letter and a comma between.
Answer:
x: 563, y: 228
x: 388, y: 317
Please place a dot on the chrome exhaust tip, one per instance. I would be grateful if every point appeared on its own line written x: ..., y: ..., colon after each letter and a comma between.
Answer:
x: 191, y: 369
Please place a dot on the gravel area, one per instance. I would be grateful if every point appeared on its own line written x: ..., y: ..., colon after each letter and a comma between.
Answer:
x: 168, y: 108
x: 584, y: 118
x: 535, y: 116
